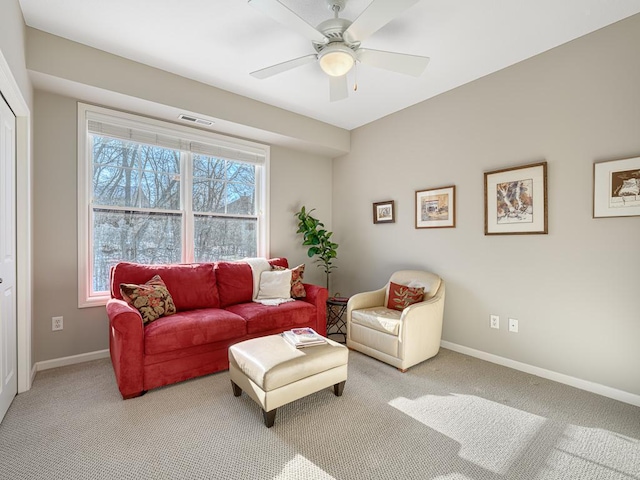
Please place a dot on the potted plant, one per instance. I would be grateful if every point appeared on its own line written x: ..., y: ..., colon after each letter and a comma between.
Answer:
x: 318, y: 239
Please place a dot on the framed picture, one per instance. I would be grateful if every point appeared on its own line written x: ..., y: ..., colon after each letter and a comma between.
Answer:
x: 616, y: 188
x: 436, y: 207
x: 384, y: 212
x: 515, y: 200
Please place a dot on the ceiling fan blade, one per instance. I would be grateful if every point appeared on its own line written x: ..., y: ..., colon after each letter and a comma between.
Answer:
x: 287, y: 17
x: 412, y: 65
x: 284, y: 66
x: 376, y: 16
x: 338, y: 89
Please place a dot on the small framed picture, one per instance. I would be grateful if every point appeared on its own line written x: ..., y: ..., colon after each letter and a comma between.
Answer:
x: 436, y: 207
x: 515, y: 200
x: 616, y: 188
x: 384, y: 212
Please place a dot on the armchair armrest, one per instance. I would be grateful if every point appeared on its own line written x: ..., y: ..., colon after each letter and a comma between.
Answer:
x: 422, y: 323
x: 317, y: 296
x: 126, y: 346
x: 374, y: 298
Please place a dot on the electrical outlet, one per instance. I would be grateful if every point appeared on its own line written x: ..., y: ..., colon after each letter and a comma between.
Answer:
x: 494, y: 322
x: 513, y: 325
x: 56, y: 323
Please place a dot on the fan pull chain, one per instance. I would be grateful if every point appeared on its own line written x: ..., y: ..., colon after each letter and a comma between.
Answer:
x: 355, y: 77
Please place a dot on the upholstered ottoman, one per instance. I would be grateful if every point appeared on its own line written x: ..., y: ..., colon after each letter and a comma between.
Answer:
x: 273, y: 372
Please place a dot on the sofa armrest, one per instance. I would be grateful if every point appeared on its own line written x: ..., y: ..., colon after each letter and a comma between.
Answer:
x: 126, y: 346
x: 317, y: 296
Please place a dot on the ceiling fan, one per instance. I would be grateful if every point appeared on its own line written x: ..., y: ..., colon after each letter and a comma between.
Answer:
x: 337, y: 42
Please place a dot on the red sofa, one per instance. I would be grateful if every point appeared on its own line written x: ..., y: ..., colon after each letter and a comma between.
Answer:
x: 214, y: 310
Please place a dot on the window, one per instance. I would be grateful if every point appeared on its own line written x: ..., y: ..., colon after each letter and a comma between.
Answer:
x: 154, y: 192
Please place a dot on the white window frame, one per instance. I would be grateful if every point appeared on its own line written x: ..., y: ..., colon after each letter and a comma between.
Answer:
x: 87, y: 298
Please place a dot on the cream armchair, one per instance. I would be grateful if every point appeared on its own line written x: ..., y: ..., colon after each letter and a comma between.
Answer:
x: 399, y: 338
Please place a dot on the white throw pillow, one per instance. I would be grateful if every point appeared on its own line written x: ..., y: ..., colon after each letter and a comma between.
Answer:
x: 275, y: 284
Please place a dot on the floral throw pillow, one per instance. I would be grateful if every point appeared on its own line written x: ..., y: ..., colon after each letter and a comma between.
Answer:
x: 401, y: 296
x: 297, y: 274
x: 152, y: 299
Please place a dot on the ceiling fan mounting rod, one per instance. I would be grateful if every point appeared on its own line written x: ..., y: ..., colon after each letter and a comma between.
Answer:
x: 336, y: 6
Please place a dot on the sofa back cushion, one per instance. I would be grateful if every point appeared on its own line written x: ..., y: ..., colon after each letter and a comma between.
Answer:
x: 279, y: 262
x: 235, y: 281
x: 191, y: 286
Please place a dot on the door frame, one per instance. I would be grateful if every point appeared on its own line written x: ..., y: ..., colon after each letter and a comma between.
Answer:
x: 24, y: 250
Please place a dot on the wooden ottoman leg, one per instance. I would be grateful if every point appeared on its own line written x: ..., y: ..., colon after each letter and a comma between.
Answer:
x: 236, y: 389
x: 338, y: 388
x: 269, y: 417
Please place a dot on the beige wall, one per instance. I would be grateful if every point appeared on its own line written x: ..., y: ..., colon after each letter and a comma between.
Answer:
x: 55, y: 236
x: 296, y: 178
x: 574, y: 291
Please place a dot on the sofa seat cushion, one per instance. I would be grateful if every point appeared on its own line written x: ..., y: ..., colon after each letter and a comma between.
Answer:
x: 192, y: 328
x: 385, y: 320
x: 191, y: 286
x: 263, y: 318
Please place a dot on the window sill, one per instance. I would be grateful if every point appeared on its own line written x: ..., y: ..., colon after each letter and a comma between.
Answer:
x: 100, y: 301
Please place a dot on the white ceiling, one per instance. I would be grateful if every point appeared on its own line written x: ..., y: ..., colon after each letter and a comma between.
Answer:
x: 218, y: 42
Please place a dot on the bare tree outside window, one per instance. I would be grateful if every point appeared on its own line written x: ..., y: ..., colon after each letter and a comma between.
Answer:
x: 224, y: 187
x: 137, y: 211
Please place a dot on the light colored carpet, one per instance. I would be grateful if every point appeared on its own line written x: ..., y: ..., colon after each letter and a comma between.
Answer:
x: 451, y: 418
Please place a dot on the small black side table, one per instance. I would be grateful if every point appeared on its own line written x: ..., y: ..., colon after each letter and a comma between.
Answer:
x: 336, y: 308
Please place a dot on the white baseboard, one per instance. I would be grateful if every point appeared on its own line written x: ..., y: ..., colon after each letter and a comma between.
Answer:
x: 34, y: 370
x: 592, y: 387
x: 72, y: 360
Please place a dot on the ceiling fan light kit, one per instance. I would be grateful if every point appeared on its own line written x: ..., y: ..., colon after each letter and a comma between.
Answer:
x: 336, y: 59
x: 337, y: 42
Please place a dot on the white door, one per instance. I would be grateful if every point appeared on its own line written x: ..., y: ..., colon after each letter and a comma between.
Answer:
x: 8, y: 341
